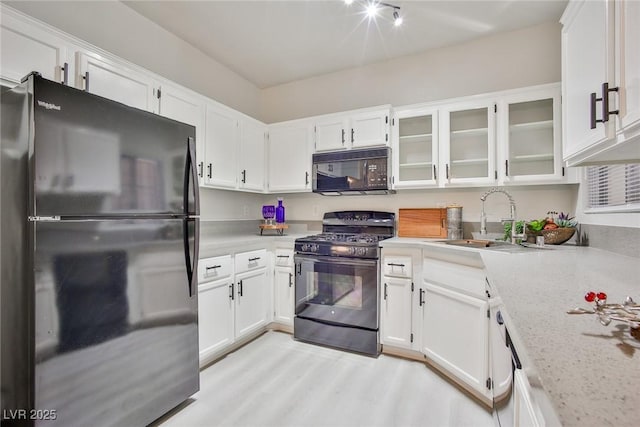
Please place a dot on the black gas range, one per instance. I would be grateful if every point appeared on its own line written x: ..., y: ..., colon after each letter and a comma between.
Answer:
x: 337, y: 275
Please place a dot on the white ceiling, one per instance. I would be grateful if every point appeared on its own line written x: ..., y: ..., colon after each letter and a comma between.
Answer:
x: 274, y: 42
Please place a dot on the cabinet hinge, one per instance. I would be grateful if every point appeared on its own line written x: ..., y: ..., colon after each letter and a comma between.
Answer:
x: 488, y: 294
x: 495, y: 174
x: 393, y: 122
x: 158, y: 93
x: 411, y: 286
x: 411, y: 337
x: 489, y: 383
x: 386, y: 119
x: 495, y: 108
x: 392, y: 179
x: 386, y: 137
x: 488, y: 314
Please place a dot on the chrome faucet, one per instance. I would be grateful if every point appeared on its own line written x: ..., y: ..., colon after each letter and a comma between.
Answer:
x: 511, y: 219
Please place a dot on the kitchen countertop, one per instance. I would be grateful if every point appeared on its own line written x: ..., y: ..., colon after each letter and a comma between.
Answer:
x: 219, y: 244
x: 589, y: 372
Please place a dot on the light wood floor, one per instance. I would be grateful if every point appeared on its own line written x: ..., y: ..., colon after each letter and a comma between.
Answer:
x: 276, y: 381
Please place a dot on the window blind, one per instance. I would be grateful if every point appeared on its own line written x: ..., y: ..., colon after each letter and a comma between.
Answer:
x: 613, y: 186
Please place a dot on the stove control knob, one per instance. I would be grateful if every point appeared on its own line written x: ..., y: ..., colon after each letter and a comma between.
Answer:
x: 361, y: 251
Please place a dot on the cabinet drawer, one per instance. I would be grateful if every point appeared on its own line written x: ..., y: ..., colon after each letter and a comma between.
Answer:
x: 214, y: 268
x: 469, y: 280
x: 398, y: 266
x: 247, y: 261
x: 284, y: 257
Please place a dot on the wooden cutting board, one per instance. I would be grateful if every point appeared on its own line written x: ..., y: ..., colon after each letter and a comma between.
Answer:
x: 423, y: 222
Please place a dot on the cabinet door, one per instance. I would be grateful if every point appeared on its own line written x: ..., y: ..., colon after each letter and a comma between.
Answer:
x: 331, y: 134
x: 115, y: 81
x: 628, y: 74
x: 369, y: 129
x: 524, y: 412
x: 455, y: 336
x: 468, y: 139
x: 215, y: 317
x: 284, y: 295
x: 289, y: 158
x: 25, y: 48
x: 252, y: 152
x: 500, y: 354
x: 587, y: 63
x: 184, y: 107
x: 396, y: 312
x: 221, y: 147
x: 252, y: 302
x: 529, y: 137
x: 415, y: 153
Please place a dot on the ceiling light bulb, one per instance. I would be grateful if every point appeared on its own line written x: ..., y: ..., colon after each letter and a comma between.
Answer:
x: 348, y: 2
x: 397, y: 19
x: 372, y: 10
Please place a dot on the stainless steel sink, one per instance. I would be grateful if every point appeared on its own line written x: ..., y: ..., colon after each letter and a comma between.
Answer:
x: 476, y: 243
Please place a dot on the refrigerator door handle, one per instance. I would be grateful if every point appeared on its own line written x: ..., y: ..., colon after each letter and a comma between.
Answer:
x: 191, y: 171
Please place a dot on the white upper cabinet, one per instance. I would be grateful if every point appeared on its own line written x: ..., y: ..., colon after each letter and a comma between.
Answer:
x: 221, y: 147
x: 331, y: 133
x: 289, y: 156
x: 468, y: 143
x: 415, y: 147
x: 25, y: 48
x: 529, y: 137
x: 252, y: 155
x: 114, y: 80
x: 355, y: 129
x: 178, y: 104
x: 601, y: 82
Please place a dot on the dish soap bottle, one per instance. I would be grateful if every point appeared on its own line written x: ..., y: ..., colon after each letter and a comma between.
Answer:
x: 280, y: 212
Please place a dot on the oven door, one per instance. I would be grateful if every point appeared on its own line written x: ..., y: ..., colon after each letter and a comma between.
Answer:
x: 334, y: 290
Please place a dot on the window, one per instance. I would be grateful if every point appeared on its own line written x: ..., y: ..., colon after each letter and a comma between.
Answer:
x: 613, y: 188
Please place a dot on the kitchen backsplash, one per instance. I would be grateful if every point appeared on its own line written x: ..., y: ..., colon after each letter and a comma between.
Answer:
x: 621, y: 240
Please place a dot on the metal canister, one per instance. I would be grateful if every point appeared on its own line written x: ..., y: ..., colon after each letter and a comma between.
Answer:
x: 454, y: 222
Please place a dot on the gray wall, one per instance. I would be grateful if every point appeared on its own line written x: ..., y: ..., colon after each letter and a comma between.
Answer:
x: 502, y: 61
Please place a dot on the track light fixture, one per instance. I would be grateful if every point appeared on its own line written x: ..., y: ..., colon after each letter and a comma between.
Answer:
x: 373, y: 7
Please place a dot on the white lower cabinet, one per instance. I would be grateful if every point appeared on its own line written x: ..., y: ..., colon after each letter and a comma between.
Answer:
x: 252, y: 302
x: 396, y: 312
x: 525, y: 411
x: 284, y: 295
x: 215, y: 316
x: 455, y: 335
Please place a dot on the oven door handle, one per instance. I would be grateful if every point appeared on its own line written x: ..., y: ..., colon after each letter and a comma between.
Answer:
x: 336, y: 260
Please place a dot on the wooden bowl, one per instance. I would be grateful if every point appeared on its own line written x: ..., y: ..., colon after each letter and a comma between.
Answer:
x: 558, y: 236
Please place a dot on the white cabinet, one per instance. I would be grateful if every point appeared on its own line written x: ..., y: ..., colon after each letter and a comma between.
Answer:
x: 526, y: 413
x: 355, y: 129
x: 215, y: 317
x: 529, y: 136
x: 395, y: 313
x: 399, y: 305
x: 468, y: 142
x: 25, y: 48
x: 600, y: 75
x: 415, y: 143
x: 116, y: 81
x: 252, y: 155
x: 289, y: 156
x: 251, y: 292
x: 283, y: 287
x: 221, y: 147
x: 180, y: 105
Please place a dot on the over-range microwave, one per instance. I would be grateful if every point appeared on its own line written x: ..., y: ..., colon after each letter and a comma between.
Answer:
x: 364, y: 171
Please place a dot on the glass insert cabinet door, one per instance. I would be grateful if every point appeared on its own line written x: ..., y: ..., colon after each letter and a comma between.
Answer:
x: 416, y: 153
x: 469, y: 143
x: 337, y: 291
x: 530, y: 148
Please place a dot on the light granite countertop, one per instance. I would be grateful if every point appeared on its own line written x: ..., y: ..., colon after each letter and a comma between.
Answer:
x: 590, y: 373
x: 220, y: 244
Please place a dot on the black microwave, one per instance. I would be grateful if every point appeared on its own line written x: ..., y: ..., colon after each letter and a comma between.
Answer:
x: 364, y: 171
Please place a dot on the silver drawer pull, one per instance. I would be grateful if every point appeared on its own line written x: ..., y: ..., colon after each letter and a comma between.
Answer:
x: 254, y: 259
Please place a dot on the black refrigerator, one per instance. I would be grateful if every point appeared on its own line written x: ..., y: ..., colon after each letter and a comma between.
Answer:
x: 99, y: 251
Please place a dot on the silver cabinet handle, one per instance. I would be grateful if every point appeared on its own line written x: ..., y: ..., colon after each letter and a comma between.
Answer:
x: 231, y: 292
x: 210, y: 170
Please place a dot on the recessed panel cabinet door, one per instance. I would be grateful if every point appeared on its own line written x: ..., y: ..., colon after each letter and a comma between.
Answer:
x: 455, y: 331
x: 215, y: 317
x: 370, y: 129
x: 252, y: 149
x: 25, y: 48
x: 284, y: 295
x: 396, y: 312
x: 115, y: 81
x: 289, y: 158
x: 331, y: 134
x: 221, y: 160
x: 252, y: 302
